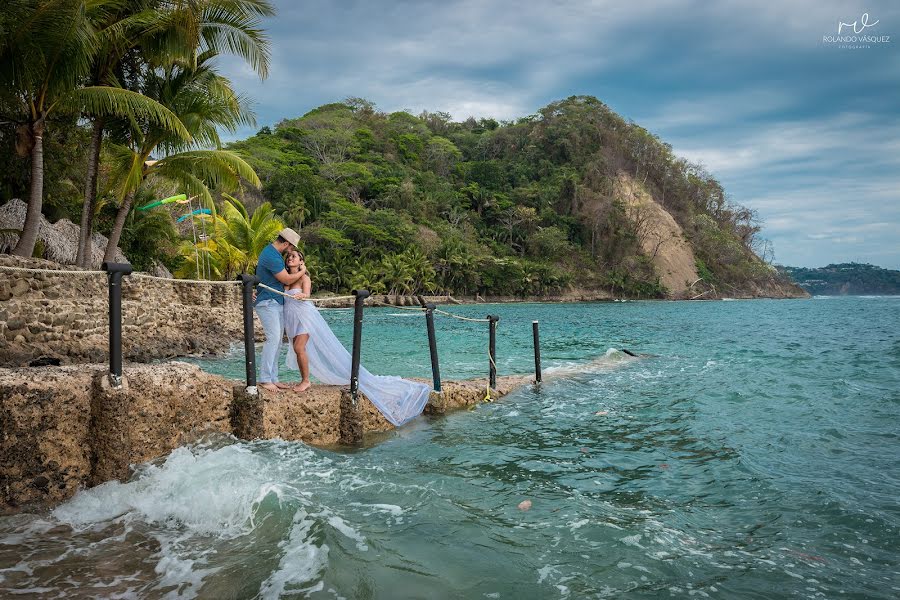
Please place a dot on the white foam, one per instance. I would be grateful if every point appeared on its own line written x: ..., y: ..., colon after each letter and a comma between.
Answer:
x: 341, y: 525
x: 609, y: 360
x: 184, y: 574
x: 301, y: 562
x: 578, y: 524
x: 208, y: 492
x: 389, y: 508
x: 545, y: 572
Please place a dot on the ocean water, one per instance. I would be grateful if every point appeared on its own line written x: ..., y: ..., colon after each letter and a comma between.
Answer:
x: 753, y: 453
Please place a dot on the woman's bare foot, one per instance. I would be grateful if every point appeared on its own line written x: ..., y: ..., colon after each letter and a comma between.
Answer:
x: 304, y: 385
x: 282, y: 386
x: 271, y: 387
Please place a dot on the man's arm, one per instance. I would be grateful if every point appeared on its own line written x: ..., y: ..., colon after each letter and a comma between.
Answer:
x: 288, y: 279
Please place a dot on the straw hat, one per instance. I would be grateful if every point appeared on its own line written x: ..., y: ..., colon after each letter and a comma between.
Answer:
x: 290, y: 235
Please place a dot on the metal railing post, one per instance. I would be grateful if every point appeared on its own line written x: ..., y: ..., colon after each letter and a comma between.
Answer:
x: 248, y: 281
x: 492, y: 348
x: 537, y: 352
x: 361, y: 296
x: 114, y: 273
x: 432, y: 347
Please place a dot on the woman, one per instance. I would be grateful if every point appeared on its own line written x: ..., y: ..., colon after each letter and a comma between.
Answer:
x: 294, y: 327
x: 314, y: 347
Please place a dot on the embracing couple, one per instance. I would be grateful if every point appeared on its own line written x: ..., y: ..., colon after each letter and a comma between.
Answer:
x: 314, y: 346
x: 281, y: 266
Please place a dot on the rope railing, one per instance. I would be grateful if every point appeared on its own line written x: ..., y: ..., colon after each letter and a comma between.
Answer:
x: 175, y: 280
x: 116, y: 272
x: 420, y: 309
x: 51, y: 271
x: 314, y: 300
x: 460, y: 317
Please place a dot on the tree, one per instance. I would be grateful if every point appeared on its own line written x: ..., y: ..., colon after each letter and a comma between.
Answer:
x: 165, y: 33
x: 441, y: 155
x: 44, y: 61
x: 248, y: 233
x: 205, y: 101
x: 399, y: 275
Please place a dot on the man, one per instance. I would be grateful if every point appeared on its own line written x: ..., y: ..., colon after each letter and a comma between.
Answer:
x: 270, y: 306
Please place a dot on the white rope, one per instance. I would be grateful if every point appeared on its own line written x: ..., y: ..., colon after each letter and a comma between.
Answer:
x: 379, y: 302
x: 52, y: 271
x: 271, y: 289
x: 173, y: 280
x: 443, y: 312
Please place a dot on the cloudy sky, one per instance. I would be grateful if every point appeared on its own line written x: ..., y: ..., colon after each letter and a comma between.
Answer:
x: 799, y: 127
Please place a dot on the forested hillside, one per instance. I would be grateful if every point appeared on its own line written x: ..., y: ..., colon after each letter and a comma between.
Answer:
x: 846, y: 279
x: 403, y: 203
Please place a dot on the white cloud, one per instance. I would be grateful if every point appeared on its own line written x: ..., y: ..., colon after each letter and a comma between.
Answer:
x: 773, y: 139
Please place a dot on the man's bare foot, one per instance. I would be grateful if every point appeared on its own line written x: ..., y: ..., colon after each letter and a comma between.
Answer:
x: 304, y: 385
x: 282, y: 386
x: 271, y: 387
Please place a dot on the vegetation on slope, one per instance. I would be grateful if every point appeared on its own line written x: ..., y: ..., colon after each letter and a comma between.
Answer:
x: 851, y: 279
x: 403, y: 203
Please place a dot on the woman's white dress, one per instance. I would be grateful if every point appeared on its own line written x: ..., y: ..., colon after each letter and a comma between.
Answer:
x: 293, y: 321
x: 399, y: 400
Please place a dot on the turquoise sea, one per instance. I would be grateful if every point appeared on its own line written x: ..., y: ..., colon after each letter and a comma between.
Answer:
x: 755, y: 453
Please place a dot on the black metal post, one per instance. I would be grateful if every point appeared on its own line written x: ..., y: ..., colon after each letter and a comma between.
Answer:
x: 537, y: 352
x: 492, y: 348
x: 361, y: 296
x: 248, y: 282
x: 432, y: 347
x: 114, y: 273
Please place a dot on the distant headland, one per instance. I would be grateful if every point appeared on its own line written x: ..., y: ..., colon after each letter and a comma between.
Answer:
x: 846, y: 279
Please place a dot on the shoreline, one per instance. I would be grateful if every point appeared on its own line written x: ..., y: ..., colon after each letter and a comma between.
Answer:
x: 52, y: 314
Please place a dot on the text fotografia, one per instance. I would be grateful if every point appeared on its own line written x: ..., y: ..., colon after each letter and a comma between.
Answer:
x: 850, y: 35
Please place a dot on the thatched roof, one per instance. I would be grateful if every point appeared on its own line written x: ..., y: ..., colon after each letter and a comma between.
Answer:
x: 60, y: 239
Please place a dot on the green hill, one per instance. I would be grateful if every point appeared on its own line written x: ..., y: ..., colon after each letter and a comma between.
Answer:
x: 846, y: 279
x: 397, y: 202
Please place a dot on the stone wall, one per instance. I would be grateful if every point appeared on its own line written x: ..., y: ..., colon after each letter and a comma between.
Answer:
x: 63, y: 428
x: 44, y: 429
x: 65, y: 316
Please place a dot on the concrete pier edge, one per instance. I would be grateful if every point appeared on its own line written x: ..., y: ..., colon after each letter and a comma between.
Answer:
x: 65, y: 428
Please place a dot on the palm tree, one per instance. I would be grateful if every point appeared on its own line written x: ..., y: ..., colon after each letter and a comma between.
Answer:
x: 248, y: 233
x: 169, y: 32
x: 44, y: 60
x: 422, y: 270
x: 367, y: 276
x: 398, y: 274
x: 203, y: 100
x: 224, y: 260
x: 335, y: 272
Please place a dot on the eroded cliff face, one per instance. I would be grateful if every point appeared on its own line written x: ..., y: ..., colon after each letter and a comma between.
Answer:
x: 664, y: 241
x: 661, y: 238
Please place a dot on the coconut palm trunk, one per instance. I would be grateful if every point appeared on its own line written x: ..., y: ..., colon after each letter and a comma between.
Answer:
x: 118, y: 226
x: 90, y: 196
x: 28, y: 237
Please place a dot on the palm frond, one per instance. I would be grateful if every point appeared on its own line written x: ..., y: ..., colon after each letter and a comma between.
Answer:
x: 109, y: 101
x: 218, y: 168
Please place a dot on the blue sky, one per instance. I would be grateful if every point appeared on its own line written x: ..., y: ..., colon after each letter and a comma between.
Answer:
x: 797, y: 127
